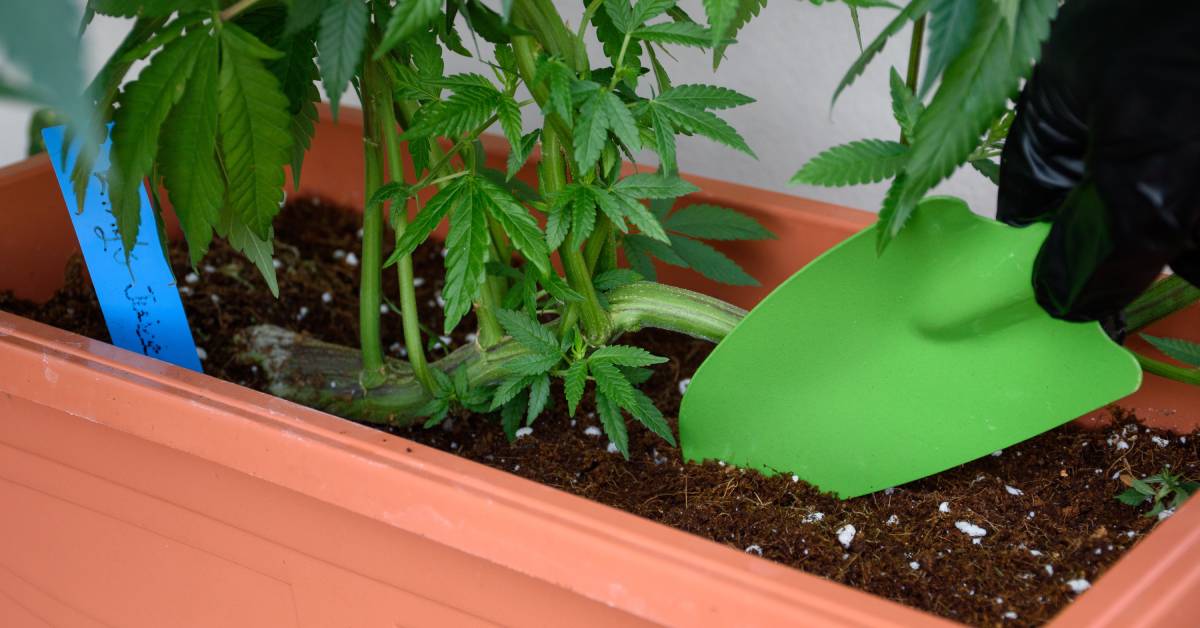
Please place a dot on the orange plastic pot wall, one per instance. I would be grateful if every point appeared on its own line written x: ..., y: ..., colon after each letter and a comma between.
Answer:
x: 134, y: 493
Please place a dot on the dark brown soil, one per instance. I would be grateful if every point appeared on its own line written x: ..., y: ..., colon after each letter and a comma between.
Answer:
x: 1047, y: 504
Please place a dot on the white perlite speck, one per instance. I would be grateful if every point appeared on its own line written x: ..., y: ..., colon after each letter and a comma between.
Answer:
x: 592, y: 430
x: 1122, y: 445
x: 612, y: 447
x: 339, y: 254
x: 276, y: 263
x: 1079, y: 585
x: 944, y: 507
x: 683, y: 385
x: 1166, y: 513
x: 326, y: 297
x: 384, y: 309
x: 997, y: 453
x: 1160, y: 441
x: 201, y: 353
x: 845, y: 535
x: 302, y: 313
x: 893, y: 520
x: 1012, y: 490
x: 1010, y: 615
x: 795, y: 478
x: 914, y: 565
x: 191, y: 278
x: 889, y: 490
x: 418, y: 282
x: 523, y: 432
x: 813, y: 517
x: 1049, y: 569
x: 1034, y: 553
x: 754, y: 549
x: 351, y: 259
x: 970, y: 529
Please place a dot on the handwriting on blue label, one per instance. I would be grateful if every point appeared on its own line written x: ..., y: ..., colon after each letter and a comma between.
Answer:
x: 139, y: 299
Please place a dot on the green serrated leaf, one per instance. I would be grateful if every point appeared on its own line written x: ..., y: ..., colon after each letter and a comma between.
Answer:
x: 528, y: 332
x: 649, y: 415
x: 340, y: 45
x: 950, y: 26
x: 711, y: 222
x: 710, y: 262
x: 696, y: 96
x: 646, y: 10
x: 520, y: 153
x: 467, y: 109
x: 646, y: 222
x: 508, y: 389
x: 678, y: 33
x: 620, y: 121
x: 653, y: 185
x: 467, y: 247
x: 613, y: 423
x: 408, y: 17
x: 746, y: 10
x: 558, y: 79
x: 860, y: 161
x: 620, y: 12
x: 539, y: 394
x: 517, y: 222
x: 428, y: 218
x: 187, y: 154
x: 664, y: 141
x: 591, y: 131
x: 583, y: 215
x: 254, y: 138
x: 1131, y: 497
x: 701, y: 122
x: 888, y: 221
x: 625, y: 355
x: 905, y: 106
x: 297, y: 73
x: 1178, y: 348
x: 510, y: 416
x: 615, y: 278
x: 509, y: 115
x: 574, y: 381
x: 532, y: 364
x: 912, y: 11
x: 987, y: 168
x: 611, y: 383
x: 144, y: 106
x: 260, y: 251
x: 721, y: 15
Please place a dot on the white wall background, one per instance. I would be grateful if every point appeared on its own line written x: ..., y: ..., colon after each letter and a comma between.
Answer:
x: 790, y: 59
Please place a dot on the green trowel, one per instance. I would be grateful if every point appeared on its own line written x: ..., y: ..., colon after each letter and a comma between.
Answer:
x: 862, y: 372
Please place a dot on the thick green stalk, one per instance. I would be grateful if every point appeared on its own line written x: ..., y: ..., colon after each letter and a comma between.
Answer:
x: 542, y: 19
x: 404, y: 267
x: 1159, y: 300
x: 370, y: 288
x: 324, y: 375
x: 1170, y: 371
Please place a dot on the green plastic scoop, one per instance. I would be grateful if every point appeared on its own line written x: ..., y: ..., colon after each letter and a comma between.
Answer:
x: 862, y: 372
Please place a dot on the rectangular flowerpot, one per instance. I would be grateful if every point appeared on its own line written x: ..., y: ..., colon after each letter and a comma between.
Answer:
x: 135, y: 493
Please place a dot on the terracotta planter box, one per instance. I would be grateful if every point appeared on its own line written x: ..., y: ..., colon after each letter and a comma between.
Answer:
x: 135, y: 493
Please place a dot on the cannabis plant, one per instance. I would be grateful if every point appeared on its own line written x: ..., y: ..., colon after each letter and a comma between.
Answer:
x: 227, y: 105
x: 1165, y: 491
x: 958, y: 113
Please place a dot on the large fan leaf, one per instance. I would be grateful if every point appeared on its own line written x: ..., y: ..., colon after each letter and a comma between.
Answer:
x: 950, y: 26
x: 408, y: 17
x: 343, y: 29
x: 466, y: 246
x: 187, y: 154
x: 255, y: 142
x: 145, y: 104
x: 861, y: 161
x: 914, y: 10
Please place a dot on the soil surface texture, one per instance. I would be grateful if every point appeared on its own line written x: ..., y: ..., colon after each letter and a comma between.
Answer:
x: 1007, y: 539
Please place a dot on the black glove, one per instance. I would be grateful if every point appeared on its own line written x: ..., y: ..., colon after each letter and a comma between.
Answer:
x: 1106, y: 145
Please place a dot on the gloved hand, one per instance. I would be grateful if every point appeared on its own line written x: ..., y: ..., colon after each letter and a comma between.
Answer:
x: 1106, y: 146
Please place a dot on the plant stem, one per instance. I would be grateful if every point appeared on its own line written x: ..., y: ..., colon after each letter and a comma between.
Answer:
x: 404, y: 267
x: 1170, y: 371
x: 370, y: 289
x: 1161, y: 299
x: 323, y: 375
x: 914, y: 61
x: 236, y: 8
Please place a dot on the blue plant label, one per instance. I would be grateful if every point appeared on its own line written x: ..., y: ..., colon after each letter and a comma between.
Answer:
x: 139, y: 297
